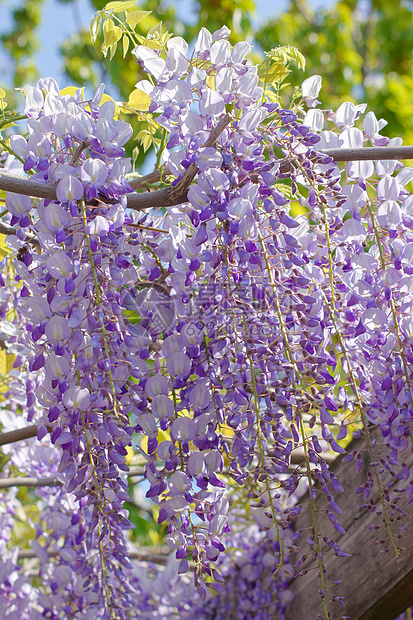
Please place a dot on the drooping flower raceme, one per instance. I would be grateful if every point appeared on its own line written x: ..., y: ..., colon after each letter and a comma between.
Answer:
x: 226, y: 331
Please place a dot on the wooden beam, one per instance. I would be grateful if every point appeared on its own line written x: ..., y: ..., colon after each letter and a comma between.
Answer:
x: 375, y: 587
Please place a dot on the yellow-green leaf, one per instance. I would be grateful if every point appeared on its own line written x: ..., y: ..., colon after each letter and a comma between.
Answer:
x: 2, y: 93
x: 287, y: 54
x: 210, y: 82
x: 111, y: 34
x: 145, y: 138
x: 112, y: 50
x: 106, y: 97
x: 274, y: 73
x: 139, y: 136
x: 6, y: 362
x: 6, y: 125
x: 135, y: 154
x: 157, y: 29
x: 152, y: 44
x: 95, y: 27
x: 271, y: 96
x: 117, y: 7
x: 134, y: 17
x: 72, y: 90
x: 138, y: 100
x: 146, y: 143
x: 4, y: 249
x: 125, y: 42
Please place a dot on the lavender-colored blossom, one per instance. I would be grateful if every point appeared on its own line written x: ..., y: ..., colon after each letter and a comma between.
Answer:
x: 225, y: 326
x: 17, y: 204
x: 69, y: 189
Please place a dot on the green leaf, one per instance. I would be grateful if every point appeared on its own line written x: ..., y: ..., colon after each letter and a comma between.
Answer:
x: 134, y: 17
x: 155, y: 39
x: 2, y: 93
x: 118, y: 7
x: 271, y: 96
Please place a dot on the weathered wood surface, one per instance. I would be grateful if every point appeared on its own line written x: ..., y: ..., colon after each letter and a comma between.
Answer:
x: 376, y: 587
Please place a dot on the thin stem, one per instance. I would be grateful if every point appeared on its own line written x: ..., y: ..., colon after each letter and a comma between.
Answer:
x: 262, y: 457
x: 392, y: 306
x: 21, y: 481
x: 330, y: 256
x: 99, y: 304
x: 234, y: 326
x: 160, y: 151
x: 290, y: 357
x: 5, y: 145
x: 313, y: 502
x: 354, y: 386
x: 149, y: 179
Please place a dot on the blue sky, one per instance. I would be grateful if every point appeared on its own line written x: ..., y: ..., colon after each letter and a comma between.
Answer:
x: 62, y: 20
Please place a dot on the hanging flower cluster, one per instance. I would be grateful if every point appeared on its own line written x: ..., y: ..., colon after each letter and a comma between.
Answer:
x: 219, y: 331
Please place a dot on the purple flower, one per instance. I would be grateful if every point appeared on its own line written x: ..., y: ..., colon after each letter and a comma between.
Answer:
x: 69, y: 189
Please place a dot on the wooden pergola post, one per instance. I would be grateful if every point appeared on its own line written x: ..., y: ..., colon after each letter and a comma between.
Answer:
x: 375, y: 586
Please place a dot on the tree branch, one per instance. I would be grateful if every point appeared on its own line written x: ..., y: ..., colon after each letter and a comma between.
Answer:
x: 9, y: 230
x: 22, y: 481
x: 134, y: 554
x: 306, y: 12
x: 166, y: 197
x: 155, y: 175
x: 27, y: 187
x: 370, y: 153
x: 171, y: 196
x: 18, y: 435
x: 152, y: 177
x: 27, y: 481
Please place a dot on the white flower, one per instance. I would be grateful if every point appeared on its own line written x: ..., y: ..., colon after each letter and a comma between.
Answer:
x: 310, y: 89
